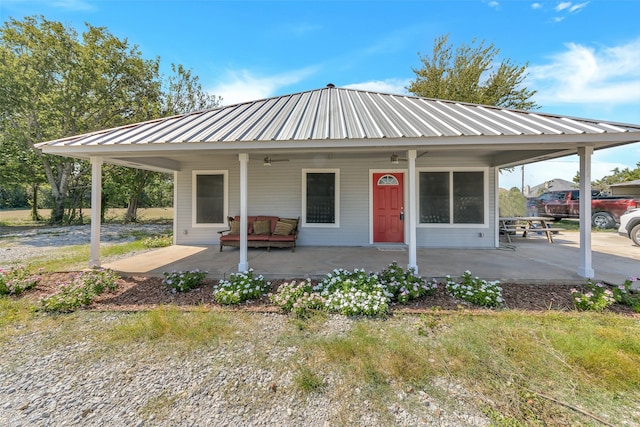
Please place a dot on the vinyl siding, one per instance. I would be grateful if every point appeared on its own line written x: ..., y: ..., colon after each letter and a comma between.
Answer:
x: 277, y: 190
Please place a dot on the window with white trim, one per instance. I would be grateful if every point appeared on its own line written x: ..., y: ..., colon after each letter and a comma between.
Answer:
x: 453, y: 197
x: 209, y: 198
x: 320, y: 197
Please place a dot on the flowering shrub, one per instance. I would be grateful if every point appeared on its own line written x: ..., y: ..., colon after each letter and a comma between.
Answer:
x: 475, y: 290
x: 623, y: 295
x: 298, y: 298
x: 240, y: 287
x: 182, y: 281
x: 354, y: 292
x: 597, y: 298
x: 345, y: 280
x: 80, y: 291
x: 16, y: 280
x: 158, y: 241
x: 405, y: 285
x: 353, y: 301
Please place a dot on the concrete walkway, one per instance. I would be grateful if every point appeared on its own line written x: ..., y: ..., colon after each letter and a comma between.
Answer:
x: 530, y: 260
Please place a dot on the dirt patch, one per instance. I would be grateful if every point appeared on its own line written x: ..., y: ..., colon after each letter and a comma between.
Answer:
x: 141, y: 293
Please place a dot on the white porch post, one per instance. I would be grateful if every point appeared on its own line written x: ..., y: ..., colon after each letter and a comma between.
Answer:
x: 96, y: 202
x: 412, y: 211
x: 585, y: 269
x: 243, y: 265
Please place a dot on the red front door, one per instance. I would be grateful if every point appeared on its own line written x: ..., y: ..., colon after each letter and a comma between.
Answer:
x: 388, y: 207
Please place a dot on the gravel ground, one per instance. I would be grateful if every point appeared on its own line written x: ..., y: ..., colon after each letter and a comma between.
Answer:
x: 48, y: 381
x: 18, y: 244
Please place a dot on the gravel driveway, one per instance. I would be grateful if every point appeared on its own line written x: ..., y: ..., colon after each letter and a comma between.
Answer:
x: 18, y: 244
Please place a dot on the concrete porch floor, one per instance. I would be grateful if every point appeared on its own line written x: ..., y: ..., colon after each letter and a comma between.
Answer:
x: 530, y: 260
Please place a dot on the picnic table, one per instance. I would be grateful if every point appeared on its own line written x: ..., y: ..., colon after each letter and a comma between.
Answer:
x: 539, y: 224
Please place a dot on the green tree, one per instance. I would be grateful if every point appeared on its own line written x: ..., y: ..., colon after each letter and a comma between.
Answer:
x: 512, y: 202
x: 56, y: 84
x: 182, y: 93
x: 471, y: 75
x: 617, y: 176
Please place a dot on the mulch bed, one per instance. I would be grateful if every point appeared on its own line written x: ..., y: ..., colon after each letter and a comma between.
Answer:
x: 142, y: 293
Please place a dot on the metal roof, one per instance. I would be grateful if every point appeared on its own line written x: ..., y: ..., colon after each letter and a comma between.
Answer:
x: 333, y: 113
x: 627, y: 184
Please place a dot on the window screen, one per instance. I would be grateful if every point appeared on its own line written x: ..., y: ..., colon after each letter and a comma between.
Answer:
x: 321, y: 198
x: 452, y: 198
x: 210, y: 199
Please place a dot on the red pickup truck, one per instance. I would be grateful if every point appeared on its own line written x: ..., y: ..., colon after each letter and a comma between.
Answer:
x: 605, y: 210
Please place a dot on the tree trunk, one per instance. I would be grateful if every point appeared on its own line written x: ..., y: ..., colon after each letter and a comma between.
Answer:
x: 132, y: 210
x: 35, y: 216
x: 59, y: 187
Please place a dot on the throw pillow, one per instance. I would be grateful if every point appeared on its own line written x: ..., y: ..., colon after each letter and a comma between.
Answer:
x: 262, y: 227
x: 292, y: 221
x: 235, y: 227
x: 283, y: 229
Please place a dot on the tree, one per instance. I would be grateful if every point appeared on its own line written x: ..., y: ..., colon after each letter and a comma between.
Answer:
x: 182, y: 94
x: 512, y: 202
x: 617, y: 176
x: 471, y: 76
x: 54, y: 84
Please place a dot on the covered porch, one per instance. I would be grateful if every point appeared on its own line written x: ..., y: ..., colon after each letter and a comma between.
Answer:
x: 530, y: 260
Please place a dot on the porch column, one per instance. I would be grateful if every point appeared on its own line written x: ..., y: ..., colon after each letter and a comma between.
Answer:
x: 585, y: 269
x: 243, y: 265
x: 412, y: 210
x: 96, y: 204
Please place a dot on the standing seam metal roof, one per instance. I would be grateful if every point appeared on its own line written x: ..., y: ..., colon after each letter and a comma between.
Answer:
x: 340, y: 114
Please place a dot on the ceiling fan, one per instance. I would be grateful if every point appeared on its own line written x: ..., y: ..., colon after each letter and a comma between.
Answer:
x: 268, y: 160
x: 395, y: 159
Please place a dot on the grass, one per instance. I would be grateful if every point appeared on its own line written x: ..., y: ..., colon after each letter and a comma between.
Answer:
x: 22, y: 217
x: 75, y: 257
x: 170, y: 325
x: 518, y: 368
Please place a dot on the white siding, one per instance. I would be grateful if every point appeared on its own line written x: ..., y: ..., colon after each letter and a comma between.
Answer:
x: 277, y: 190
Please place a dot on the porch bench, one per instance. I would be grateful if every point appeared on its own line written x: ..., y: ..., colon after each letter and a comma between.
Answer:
x: 263, y: 232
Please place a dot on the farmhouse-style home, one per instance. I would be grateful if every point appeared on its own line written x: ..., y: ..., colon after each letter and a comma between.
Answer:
x: 358, y: 168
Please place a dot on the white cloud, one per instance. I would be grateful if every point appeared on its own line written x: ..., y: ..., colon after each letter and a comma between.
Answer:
x: 578, y: 7
x: 494, y: 4
x: 583, y: 74
x: 393, y: 86
x: 242, y: 85
x: 562, y: 6
x: 72, y: 4
x: 535, y: 6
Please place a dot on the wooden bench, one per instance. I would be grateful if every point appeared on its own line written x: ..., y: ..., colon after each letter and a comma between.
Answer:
x: 263, y: 232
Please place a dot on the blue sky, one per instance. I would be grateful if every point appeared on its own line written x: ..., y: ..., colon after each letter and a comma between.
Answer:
x: 583, y: 57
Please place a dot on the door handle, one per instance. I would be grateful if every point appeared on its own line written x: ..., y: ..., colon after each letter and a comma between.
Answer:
x: 401, y: 216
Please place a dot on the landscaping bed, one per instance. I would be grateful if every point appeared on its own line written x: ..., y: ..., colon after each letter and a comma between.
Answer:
x: 141, y: 293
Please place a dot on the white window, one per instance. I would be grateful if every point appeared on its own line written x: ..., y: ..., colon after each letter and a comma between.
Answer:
x: 321, y: 197
x: 453, y: 197
x: 209, y: 198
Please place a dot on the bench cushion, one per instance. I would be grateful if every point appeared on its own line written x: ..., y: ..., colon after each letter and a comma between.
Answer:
x: 277, y: 238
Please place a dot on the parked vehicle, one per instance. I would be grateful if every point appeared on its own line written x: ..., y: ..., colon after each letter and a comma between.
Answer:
x: 605, y: 210
x: 630, y: 225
